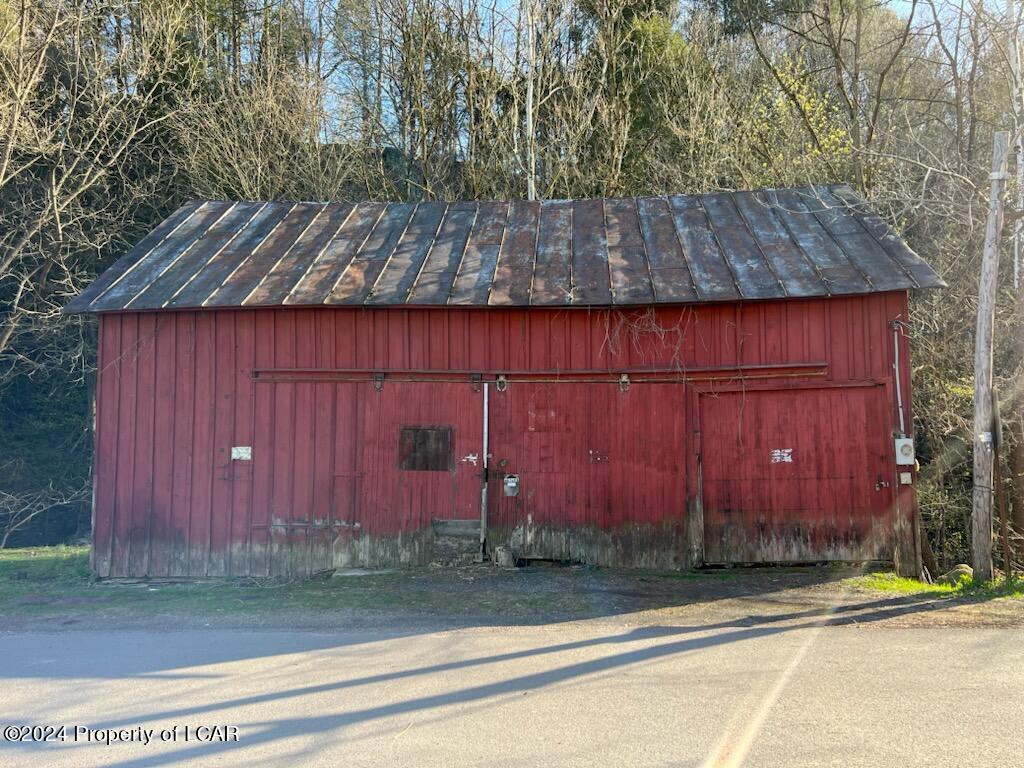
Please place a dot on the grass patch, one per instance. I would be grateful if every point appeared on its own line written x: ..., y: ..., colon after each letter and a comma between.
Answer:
x: 44, y: 566
x: 966, y: 587
x: 57, y: 581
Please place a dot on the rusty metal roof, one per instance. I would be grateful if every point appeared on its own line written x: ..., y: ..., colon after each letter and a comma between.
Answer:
x: 768, y: 244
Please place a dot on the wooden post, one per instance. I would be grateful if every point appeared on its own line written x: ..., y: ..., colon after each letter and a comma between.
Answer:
x: 1004, y: 525
x: 1015, y: 422
x: 981, y: 514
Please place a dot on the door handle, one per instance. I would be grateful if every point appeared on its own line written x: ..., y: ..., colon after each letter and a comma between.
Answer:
x: 880, y: 483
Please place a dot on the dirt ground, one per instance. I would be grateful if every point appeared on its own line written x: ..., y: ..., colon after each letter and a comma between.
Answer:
x: 447, y: 598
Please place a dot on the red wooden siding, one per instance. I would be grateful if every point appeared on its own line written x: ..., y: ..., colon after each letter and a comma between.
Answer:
x: 794, y: 476
x: 609, y: 471
x: 602, y: 472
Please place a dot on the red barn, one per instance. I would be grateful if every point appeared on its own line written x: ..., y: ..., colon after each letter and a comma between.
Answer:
x: 658, y: 382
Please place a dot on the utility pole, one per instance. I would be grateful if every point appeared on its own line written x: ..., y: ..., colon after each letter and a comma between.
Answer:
x: 1016, y: 420
x: 981, y: 514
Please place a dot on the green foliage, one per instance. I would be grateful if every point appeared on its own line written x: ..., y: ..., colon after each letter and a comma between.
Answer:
x: 965, y: 587
x: 797, y: 133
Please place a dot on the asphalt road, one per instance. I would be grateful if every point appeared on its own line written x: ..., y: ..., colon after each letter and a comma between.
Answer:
x: 585, y: 694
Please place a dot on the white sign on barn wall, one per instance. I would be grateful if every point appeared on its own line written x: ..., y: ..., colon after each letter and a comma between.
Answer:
x: 782, y: 455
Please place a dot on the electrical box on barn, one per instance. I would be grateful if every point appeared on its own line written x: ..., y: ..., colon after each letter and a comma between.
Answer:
x: 905, y: 451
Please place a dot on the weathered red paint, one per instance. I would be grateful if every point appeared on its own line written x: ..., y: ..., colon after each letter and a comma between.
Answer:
x: 667, y: 469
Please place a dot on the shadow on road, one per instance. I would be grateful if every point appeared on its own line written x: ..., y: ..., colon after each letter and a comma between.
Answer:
x: 653, y: 643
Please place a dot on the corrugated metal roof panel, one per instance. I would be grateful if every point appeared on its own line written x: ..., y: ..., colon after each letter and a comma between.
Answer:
x: 808, y: 241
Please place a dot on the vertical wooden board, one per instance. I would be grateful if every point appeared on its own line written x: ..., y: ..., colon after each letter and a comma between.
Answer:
x: 412, y: 331
x: 304, y: 335
x: 817, y: 331
x: 514, y: 272
x: 558, y: 340
x: 698, y: 331
x: 482, y: 338
x: 345, y: 481
x: 391, y: 352
x: 844, y: 333
x: 879, y: 333
x: 325, y: 423
x: 453, y: 338
x: 203, y: 446
x: 536, y: 350
x: 142, y: 479
x: 708, y: 268
x: 373, y: 507
x: 284, y: 405
x: 347, y: 327
x: 161, y: 531
x: 326, y: 343
x: 184, y: 445
x: 775, y: 335
x: 303, y: 454
x: 591, y: 280
x: 223, y: 428
x: 580, y: 355
x: 127, y: 433
x: 594, y: 469
x: 242, y: 435
x: 107, y: 440
x: 263, y: 445
x: 282, y: 478
x: 751, y: 340
x: 327, y: 269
